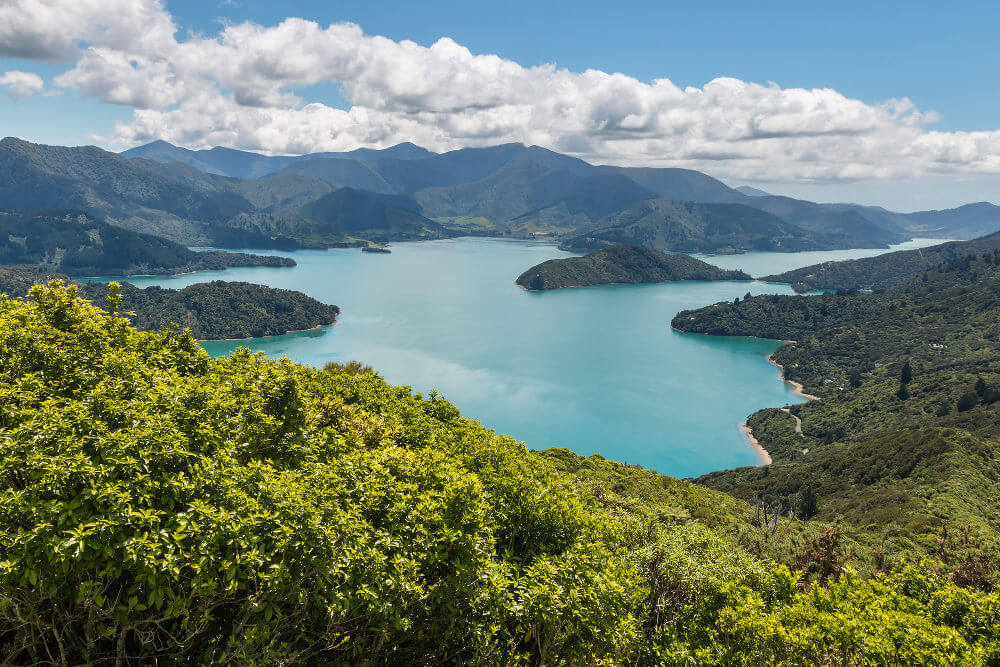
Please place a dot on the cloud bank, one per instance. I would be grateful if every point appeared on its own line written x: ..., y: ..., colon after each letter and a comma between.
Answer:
x: 248, y: 87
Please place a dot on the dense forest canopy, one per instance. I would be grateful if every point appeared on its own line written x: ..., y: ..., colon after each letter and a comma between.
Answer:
x: 77, y: 244
x: 162, y: 505
x: 621, y: 264
x: 905, y: 435
x: 211, y: 311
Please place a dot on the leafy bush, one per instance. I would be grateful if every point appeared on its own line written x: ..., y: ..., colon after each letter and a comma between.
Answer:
x: 159, y: 505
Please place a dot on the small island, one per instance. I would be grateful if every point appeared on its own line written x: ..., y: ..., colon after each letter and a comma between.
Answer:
x: 621, y: 264
x: 376, y: 249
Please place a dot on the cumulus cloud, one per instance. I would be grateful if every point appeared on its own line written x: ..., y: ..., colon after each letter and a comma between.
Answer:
x: 248, y: 87
x: 50, y: 30
x: 20, y: 85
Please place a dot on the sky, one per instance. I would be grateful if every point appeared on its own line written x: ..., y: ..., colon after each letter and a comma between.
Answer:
x: 889, y: 103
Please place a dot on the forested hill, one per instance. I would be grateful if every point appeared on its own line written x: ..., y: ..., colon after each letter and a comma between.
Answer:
x: 905, y: 434
x: 158, y: 500
x: 882, y: 271
x: 621, y: 264
x: 212, y: 311
x: 219, y: 309
x: 77, y: 244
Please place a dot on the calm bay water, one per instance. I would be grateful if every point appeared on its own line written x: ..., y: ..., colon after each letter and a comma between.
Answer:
x: 597, y: 369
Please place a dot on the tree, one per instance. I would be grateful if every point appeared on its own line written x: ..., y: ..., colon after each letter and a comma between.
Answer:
x: 981, y: 389
x: 807, y: 504
x: 967, y: 401
x: 902, y: 393
x: 906, y: 375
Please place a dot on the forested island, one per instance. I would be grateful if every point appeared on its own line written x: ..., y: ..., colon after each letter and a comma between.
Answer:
x: 157, y: 499
x: 212, y: 311
x: 621, y: 264
x: 78, y: 244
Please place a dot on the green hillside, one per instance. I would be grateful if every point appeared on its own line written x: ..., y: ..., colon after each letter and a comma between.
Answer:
x: 160, y: 504
x: 904, y: 436
x: 621, y: 264
x: 882, y: 271
x: 178, y: 202
x: 212, y: 311
x: 77, y: 244
x: 667, y: 225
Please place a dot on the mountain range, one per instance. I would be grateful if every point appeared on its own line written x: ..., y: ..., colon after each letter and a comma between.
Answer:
x: 232, y: 198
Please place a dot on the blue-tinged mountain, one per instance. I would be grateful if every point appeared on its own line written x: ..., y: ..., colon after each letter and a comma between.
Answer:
x: 969, y: 221
x: 848, y: 225
x: 527, y: 191
x: 77, y: 244
x: 681, y: 184
x: 671, y: 226
x: 245, y: 164
x: 751, y: 191
x: 181, y: 203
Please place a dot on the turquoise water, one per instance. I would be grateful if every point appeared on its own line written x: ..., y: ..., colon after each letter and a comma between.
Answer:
x: 596, y: 369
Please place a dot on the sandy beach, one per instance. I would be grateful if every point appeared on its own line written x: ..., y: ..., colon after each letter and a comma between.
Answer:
x: 797, y: 386
x: 765, y: 458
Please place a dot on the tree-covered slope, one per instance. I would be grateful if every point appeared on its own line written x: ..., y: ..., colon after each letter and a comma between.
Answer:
x: 905, y: 431
x: 668, y: 225
x: 212, y: 311
x: 882, y: 271
x: 181, y: 203
x: 621, y: 264
x: 161, y: 505
x: 218, y: 309
x: 77, y: 244
x: 174, y: 201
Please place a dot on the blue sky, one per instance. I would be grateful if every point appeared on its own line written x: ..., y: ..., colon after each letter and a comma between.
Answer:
x: 942, y: 58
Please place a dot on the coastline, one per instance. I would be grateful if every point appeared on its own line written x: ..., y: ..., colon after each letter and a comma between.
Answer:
x: 216, y: 340
x: 765, y: 458
x: 796, y: 386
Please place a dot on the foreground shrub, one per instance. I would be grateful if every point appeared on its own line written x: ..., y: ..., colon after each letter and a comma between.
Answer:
x: 158, y: 505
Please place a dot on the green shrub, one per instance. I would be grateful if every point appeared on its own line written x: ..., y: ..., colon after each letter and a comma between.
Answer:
x: 159, y: 505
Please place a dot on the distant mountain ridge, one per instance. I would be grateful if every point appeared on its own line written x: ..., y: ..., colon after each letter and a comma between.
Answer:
x: 529, y: 191
x: 667, y: 225
x: 181, y: 203
x: 233, y: 198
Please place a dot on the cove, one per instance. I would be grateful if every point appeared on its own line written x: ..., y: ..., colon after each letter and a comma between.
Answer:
x: 597, y: 370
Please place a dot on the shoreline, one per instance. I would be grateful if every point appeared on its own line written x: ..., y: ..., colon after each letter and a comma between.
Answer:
x: 765, y: 457
x: 797, y: 387
x: 231, y: 340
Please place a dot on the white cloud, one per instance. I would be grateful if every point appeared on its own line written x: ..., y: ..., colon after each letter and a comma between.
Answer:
x: 51, y: 29
x: 247, y: 87
x: 21, y: 85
